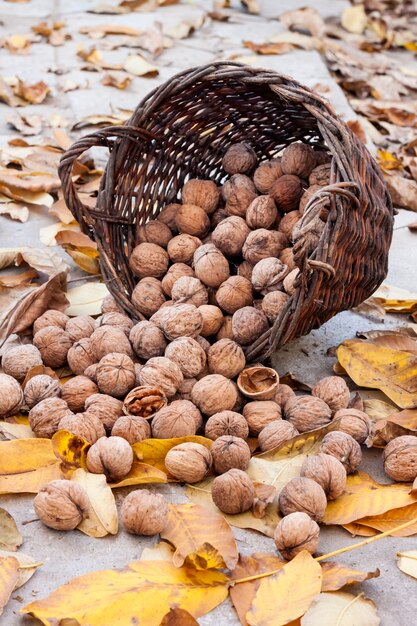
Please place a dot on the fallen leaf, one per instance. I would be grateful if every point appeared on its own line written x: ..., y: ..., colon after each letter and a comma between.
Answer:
x: 29, y: 181
x: 365, y: 497
x: 7, y: 95
x: 10, y: 537
x: 354, y: 528
x: 341, y: 608
x: 45, y: 261
x: 15, y: 210
x: 407, y: 562
x: 109, y: 80
x: 154, y: 451
x: 305, y: 19
x: 264, y: 495
x: 115, y: 119
x: 184, y: 29
x: 336, y: 576
x: 101, y: 518
x: 288, y: 594
x: 86, y: 299
x: 178, y: 617
x: 403, y: 191
x: 100, y: 30
x: 25, y: 455
x: 81, y: 249
x: 138, y: 66
x: 392, y: 519
x: 202, y: 538
x: 281, y: 47
x: 395, y: 299
x: 378, y: 409
x: 395, y: 425
x: 252, y: 6
x: 143, y: 591
x: 71, y: 450
x: 162, y: 551
x: 354, y: 19
x: 141, y: 474
x: 61, y: 211
x: 32, y: 480
x: 394, y: 372
x: 48, y: 234
x: 8, y: 578
x: 25, y: 571
x: 33, y: 94
x: 396, y: 340
x: 9, y: 431
x: 39, y: 370
x: 25, y: 124
x: 17, y: 44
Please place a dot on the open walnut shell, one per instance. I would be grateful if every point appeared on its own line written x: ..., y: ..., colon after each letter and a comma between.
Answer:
x: 258, y: 382
x: 144, y: 401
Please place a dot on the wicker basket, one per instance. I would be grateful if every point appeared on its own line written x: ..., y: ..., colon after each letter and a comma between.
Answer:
x: 182, y: 129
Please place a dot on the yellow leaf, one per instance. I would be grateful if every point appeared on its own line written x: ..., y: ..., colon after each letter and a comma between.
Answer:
x: 364, y: 497
x: 8, y: 578
x: 9, y: 431
x: 336, y: 576
x: 392, y: 371
x: 109, y: 80
x: 354, y: 19
x: 101, y: 518
x: 48, y: 234
x: 25, y: 563
x: 407, y: 562
x: 81, y: 248
x: 162, y: 551
x: 354, y: 528
x: 378, y: 409
x: 71, y: 450
x: 395, y: 299
x: 15, y: 210
x: 87, y: 299
x: 341, y: 609
x: 141, y: 474
x: 284, y: 596
x: 30, y: 481
x: 392, y: 519
x: 138, y: 66
x: 388, y: 161
x: 25, y: 455
x: 201, y: 537
x: 10, y: 537
x: 154, y: 451
x: 141, y: 593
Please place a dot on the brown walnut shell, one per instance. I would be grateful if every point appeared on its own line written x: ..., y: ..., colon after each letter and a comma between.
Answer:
x: 106, y: 408
x: 239, y: 158
x: 163, y: 374
x: 239, y: 191
x: 266, y: 174
x: 50, y: 318
x: 189, y: 462
x: 85, y: 425
x: 283, y: 394
x: 39, y: 388
x: 248, y: 324
x: 53, y: 343
x: 307, y: 413
x: 192, y: 220
x: 144, y: 513
x: 148, y: 259
x: 81, y: 355
x: 108, y: 339
x: 258, y: 382
x: 287, y: 192
x: 189, y: 290
x: 172, y: 421
x: 154, y: 232
x: 214, y: 393
x: 343, y: 447
x: 80, y: 327
x: 111, y: 456
x: 11, y: 396
x: 230, y: 235
x: 234, y: 293
x: 76, y: 391
x: 44, y: 417
x: 354, y: 422
x: 210, y: 266
x: 261, y: 244
x: 118, y: 320
x: 144, y: 401
x: 296, y: 532
x: 181, y: 320
x: 304, y: 495
x: 147, y: 340
x: 61, y: 504
x: 116, y: 374
x: 260, y: 413
x: 328, y: 472
x: 320, y: 175
x: 288, y: 222
x: 333, y: 391
x: 273, y: 304
x: 230, y: 452
x: 187, y: 353
x: 148, y: 296
x: 226, y: 357
x: 400, y: 458
x: 132, y: 428
x: 17, y: 361
x: 233, y: 492
x: 262, y: 213
x: 203, y: 193
x: 268, y: 274
x: 167, y: 216
x: 109, y: 304
x: 212, y: 319
x: 226, y: 423
x: 298, y: 159
x: 275, y: 434
x: 181, y: 249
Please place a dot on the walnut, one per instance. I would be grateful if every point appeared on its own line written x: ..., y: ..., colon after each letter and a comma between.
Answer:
x: 296, y: 532
x: 76, y: 390
x: 230, y: 452
x: 400, y: 458
x: 17, y: 361
x: 138, y: 368
x: 147, y: 340
x: 118, y: 320
x: 189, y: 462
x: 162, y: 373
x: 230, y: 235
x: 91, y: 372
x: 212, y: 319
x: 306, y: 197
x: 202, y: 193
x: 343, y: 447
x: 107, y: 339
x: 233, y: 492
x: 50, y: 318
x: 234, y: 293
x: 181, y: 248
x: 258, y: 382
x: 214, y: 393
x: 307, y: 413
x: 154, y: 232
x: 11, y: 396
x: 148, y: 259
x: 286, y: 256
x: 248, y: 324
x: 167, y: 216
x: 354, y: 422
x: 261, y: 244
x: 106, y: 408
x: 304, y: 495
x: 288, y: 222
x: 260, y: 413
x: 85, y: 425
x: 276, y: 433
x: 262, y: 212
x: 291, y: 281
x: 203, y: 342
x: 173, y: 421
x: 80, y: 356
x: 266, y: 174
x: 226, y: 357
x: 39, y: 388
x: 144, y: 401
x: 144, y: 513
x: 112, y: 456
x: 333, y: 391
x: 210, y: 266
x: 268, y: 275
x: 320, y: 175
x: 245, y: 270
x: 181, y: 320
x: 323, y: 156
x: 226, y: 330
x: 148, y: 296
x: 186, y: 406
x: 80, y: 327
x: 226, y: 423
x: 53, y: 343
x: 286, y: 192
x: 283, y: 394
x: 298, y: 159
x: 239, y: 158
x: 61, y: 504
x: 116, y: 374
x: 45, y: 416
x: 109, y: 304
x: 184, y: 390
x: 238, y: 192
x: 176, y: 271
x: 189, y: 290
x: 188, y: 354
x: 192, y: 220
x: 132, y: 428
x: 328, y: 472
x: 273, y: 304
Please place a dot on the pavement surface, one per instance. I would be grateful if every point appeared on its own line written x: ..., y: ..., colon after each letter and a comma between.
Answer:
x: 66, y: 555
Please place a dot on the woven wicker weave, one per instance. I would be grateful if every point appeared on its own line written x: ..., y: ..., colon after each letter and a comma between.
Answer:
x: 182, y: 129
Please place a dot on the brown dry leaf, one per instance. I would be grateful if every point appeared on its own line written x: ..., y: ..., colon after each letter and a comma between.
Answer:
x: 101, y: 518
x: 29, y: 181
x: 109, y: 80
x: 339, y: 608
x: 32, y: 94
x: 178, y: 617
x: 378, y: 409
x: 141, y: 474
x: 27, y: 566
x: 298, y: 40
x: 61, y: 211
x: 403, y: 191
x: 115, y: 119
x: 269, y: 47
x: 7, y: 95
x: 154, y: 451
x: 365, y: 497
x: 48, y: 234
x: 354, y: 528
x: 336, y: 576
x: 395, y: 339
x: 8, y: 579
x: 99, y: 31
x: 304, y: 19
x: 18, y: 44
x: 162, y: 551
x: 42, y: 260
x: 184, y: 29
x: 138, y: 66
x: 388, y: 161
x: 371, y: 309
x: 202, y: 538
x: 26, y: 465
x: 395, y: 425
x: 288, y: 593
x: 25, y: 124
x: 10, y: 537
x: 81, y: 249
x: 22, y: 314
x: 252, y: 6
x: 357, y: 128
x: 354, y: 19
x: 394, y: 372
x: 264, y: 495
x: 9, y: 431
x: 30, y: 481
x: 15, y: 211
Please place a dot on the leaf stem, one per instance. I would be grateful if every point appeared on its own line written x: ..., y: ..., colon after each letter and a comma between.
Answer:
x: 31, y: 565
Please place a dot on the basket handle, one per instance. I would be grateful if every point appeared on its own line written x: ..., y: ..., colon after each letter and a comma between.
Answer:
x: 104, y: 137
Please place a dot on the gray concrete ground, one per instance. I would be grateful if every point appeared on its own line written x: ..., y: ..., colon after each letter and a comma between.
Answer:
x: 69, y: 554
